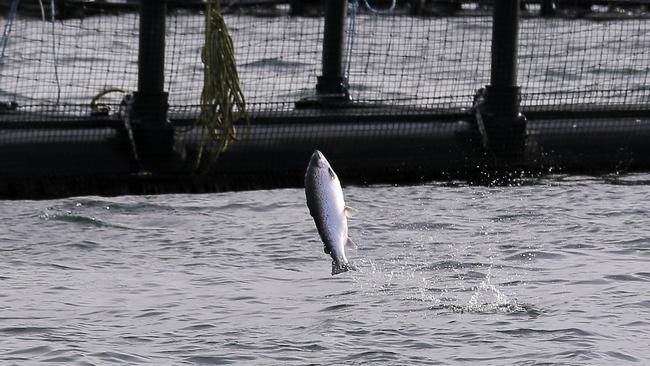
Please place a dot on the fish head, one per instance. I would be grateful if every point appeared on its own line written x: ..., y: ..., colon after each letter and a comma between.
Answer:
x: 319, y: 165
x: 318, y: 160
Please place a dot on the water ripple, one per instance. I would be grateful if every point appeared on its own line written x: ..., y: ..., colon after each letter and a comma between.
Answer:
x: 549, y: 271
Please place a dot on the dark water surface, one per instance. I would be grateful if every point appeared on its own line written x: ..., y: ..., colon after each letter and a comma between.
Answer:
x: 555, y: 272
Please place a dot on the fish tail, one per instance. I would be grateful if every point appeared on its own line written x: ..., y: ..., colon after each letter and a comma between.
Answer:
x: 340, y: 267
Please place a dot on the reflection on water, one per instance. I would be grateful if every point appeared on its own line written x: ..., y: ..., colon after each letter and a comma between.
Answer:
x: 550, y: 271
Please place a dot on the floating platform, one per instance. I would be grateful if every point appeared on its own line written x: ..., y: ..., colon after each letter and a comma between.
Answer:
x: 87, y: 156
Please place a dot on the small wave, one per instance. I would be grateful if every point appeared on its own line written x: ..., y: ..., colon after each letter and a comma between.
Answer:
x: 85, y: 245
x: 313, y: 347
x: 218, y: 360
x: 130, y: 207
x: 625, y: 278
x: 62, y: 288
x: 581, y: 246
x: 38, y: 350
x: 57, y: 266
x: 199, y: 327
x: 74, y: 219
x: 533, y: 255
x: 426, y: 226
x: 637, y: 323
x: 451, y: 264
x: 622, y: 356
x: 91, y: 221
x: 643, y: 274
x: 151, y: 313
x: 255, y: 207
x: 596, y: 281
x: 336, y: 307
x: 63, y: 359
x: 375, y: 355
x: 488, y: 308
x: 82, y: 220
x: 25, y: 330
x: 65, y: 268
x: 139, y: 339
x: 640, y: 304
x: 561, y: 331
x: 118, y: 357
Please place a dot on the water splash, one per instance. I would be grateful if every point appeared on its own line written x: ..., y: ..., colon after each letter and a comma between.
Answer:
x: 488, y: 298
x: 411, y: 282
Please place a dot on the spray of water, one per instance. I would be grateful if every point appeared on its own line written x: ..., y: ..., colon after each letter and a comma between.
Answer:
x: 441, y: 288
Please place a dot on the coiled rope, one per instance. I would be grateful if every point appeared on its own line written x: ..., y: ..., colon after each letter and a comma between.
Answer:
x: 7, y: 30
x: 393, y: 3
x: 222, y: 100
x: 54, y: 54
x: 101, y: 108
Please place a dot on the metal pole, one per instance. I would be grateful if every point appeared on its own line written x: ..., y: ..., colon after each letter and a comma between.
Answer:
x: 152, y: 132
x: 332, y: 81
x: 151, y: 99
x: 505, y: 127
x: 505, y: 28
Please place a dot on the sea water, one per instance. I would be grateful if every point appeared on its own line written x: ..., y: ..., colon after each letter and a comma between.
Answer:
x: 549, y: 271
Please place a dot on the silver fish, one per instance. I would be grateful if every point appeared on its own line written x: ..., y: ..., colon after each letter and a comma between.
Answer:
x: 327, y: 207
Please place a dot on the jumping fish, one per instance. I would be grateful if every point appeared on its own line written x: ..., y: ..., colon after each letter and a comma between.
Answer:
x: 327, y: 207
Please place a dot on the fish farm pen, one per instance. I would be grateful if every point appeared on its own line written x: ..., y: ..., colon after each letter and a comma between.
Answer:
x: 151, y: 96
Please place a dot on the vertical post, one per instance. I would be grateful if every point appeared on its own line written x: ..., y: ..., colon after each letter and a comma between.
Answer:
x: 153, y: 134
x: 151, y: 54
x: 332, y: 83
x: 505, y: 127
x: 304, y: 7
x: 547, y: 9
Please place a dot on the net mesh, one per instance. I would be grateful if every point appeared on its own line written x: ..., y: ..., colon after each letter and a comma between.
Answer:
x: 419, y: 62
x: 393, y: 59
x: 62, y: 65
x: 278, y: 58
x: 568, y: 62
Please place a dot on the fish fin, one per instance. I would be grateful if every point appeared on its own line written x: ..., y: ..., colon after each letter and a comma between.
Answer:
x: 348, y: 211
x: 350, y: 244
x: 352, y: 267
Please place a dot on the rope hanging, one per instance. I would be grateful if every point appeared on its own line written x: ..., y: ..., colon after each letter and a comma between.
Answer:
x: 390, y: 8
x: 222, y: 101
x: 7, y: 30
x: 354, y: 6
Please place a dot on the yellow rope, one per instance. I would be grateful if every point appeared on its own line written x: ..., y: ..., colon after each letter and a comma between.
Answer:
x: 97, y: 108
x: 222, y: 101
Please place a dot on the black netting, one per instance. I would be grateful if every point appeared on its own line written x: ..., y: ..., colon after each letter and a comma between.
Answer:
x: 56, y: 65
x: 568, y: 62
x: 390, y: 59
x: 278, y: 58
x: 419, y: 62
